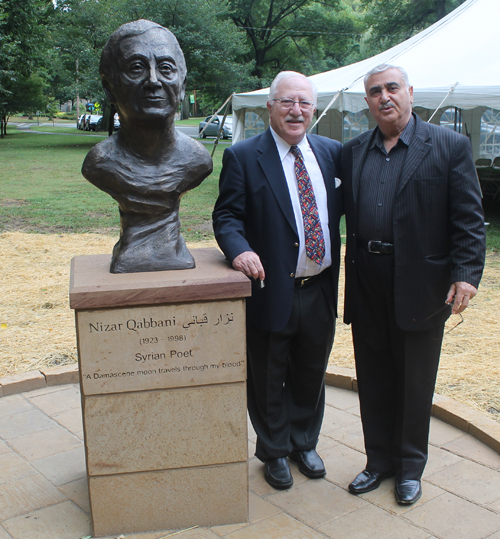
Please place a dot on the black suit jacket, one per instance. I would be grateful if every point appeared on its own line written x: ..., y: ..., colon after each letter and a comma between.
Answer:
x: 254, y: 213
x: 438, y: 223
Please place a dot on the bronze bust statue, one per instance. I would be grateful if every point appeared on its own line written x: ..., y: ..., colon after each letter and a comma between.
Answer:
x: 147, y: 165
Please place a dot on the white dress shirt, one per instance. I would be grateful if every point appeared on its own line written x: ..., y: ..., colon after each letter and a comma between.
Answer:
x: 305, y: 266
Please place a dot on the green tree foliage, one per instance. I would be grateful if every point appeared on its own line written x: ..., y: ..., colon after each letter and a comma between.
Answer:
x: 394, y: 21
x: 52, y: 51
x: 79, y: 30
x: 295, y: 34
x: 22, y: 75
x: 212, y: 45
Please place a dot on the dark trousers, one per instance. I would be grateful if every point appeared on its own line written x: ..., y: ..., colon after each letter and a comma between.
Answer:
x: 286, y: 391
x: 396, y: 372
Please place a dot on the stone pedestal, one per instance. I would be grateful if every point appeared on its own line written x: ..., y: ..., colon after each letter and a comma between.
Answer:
x: 162, y: 361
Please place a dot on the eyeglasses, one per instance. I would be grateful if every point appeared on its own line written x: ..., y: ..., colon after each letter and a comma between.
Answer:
x: 441, y: 310
x: 289, y: 103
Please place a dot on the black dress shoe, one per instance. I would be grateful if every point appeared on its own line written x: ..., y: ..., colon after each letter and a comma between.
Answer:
x: 408, y: 491
x: 367, y: 481
x: 277, y: 473
x: 310, y: 463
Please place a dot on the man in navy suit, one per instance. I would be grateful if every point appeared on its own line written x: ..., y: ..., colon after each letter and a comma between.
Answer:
x: 414, y: 255
x: 277, y: 221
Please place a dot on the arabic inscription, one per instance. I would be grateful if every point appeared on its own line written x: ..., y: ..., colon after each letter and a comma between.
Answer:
x: 134, y: 349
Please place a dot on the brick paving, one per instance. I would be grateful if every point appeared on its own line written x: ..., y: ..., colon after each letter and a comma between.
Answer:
x: 43, y: 486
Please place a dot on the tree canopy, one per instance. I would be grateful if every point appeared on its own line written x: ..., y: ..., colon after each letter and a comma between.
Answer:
x: 49, y: 51
x: 393, y: 21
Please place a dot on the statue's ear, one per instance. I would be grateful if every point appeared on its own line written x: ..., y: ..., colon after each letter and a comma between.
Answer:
x: 107, y: 90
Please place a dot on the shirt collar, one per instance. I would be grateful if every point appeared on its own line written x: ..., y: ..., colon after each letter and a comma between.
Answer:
x: 284, y: 148
x: 405, y: 137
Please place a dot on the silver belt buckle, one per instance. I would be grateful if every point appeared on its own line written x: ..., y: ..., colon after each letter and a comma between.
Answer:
x: 370, y: 247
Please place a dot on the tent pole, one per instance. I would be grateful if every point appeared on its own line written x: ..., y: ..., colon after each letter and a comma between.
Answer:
x: 440, y: 104
x: 326, y: 109
x: 216, y: 141
x: 215, y: 114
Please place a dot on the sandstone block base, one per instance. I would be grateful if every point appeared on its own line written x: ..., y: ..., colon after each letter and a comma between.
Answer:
x: 169, y: 499
x: 162, y: 361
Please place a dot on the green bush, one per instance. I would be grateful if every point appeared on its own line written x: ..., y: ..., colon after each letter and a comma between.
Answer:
x: 66, y: 115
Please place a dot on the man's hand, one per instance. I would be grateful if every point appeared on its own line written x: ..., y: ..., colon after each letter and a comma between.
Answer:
x: 463, y: 293
x: 249, y: 263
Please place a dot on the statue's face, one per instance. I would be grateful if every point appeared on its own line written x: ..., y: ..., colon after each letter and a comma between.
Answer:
x: 149, y: 85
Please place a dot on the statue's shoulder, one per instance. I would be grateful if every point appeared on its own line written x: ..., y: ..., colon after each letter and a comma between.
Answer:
x: 101, y: 157
x: 194, y: 151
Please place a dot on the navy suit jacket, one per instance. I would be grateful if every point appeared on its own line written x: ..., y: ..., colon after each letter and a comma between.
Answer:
x: 438, y: 224
x: 254, y: 213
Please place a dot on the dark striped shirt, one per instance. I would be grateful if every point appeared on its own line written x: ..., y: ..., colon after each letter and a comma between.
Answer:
x: 379, y: 183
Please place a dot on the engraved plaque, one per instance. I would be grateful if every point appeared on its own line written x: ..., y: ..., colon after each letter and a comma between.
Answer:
x: 164, y: 346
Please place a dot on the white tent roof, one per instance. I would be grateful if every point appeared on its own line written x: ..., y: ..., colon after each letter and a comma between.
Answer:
x: 462, y: 49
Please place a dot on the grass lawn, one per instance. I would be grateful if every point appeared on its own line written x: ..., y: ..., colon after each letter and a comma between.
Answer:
x: 190, y: 122
x: 42, y: 189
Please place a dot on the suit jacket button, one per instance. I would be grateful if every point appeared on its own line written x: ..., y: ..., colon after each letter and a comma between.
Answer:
x: 292, y: 274
x: 295, y: 244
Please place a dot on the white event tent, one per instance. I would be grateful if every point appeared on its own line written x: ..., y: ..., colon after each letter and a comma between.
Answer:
x: 453, y: 63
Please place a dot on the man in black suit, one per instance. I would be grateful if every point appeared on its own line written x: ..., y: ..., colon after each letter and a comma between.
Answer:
x: 414, y: 255
x: 270, y: 227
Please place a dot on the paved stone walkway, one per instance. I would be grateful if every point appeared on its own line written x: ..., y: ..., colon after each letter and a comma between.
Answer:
x: 43, y: 489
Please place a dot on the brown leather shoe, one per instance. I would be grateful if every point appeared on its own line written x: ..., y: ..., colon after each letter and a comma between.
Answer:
x: 367, y: 481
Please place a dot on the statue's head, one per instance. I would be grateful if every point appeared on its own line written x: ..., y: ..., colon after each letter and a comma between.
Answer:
x: 143, y: 72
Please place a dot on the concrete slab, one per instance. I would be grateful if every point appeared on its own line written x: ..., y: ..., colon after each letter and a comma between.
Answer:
x: 469, y: 480
x: 371, y: 522
x: 451, y: 517
x: 45, y: 443
x: 64, y: 521
x: 44, y: 491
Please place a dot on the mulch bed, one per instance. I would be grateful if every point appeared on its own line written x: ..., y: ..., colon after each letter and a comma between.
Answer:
x: 37, y: 326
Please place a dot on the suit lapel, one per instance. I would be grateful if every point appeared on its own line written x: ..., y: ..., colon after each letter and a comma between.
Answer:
x: 324, y: 160
x: 328, y: 171
x: 358, y: 158
x: 417, y: 150
x: 272, y: 168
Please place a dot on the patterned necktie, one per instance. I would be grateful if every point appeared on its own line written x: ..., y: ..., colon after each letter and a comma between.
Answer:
x: 315, y: 242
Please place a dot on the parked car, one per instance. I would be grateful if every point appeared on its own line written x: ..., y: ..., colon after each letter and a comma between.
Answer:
x: 213, y: 128
x: 102, y: 127
x: 91, y: 122
x: 80, y: 123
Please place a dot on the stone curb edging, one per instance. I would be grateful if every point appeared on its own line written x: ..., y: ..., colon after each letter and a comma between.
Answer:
x: 29, y: 381
x: 456, y: 414
x: 459, y: 415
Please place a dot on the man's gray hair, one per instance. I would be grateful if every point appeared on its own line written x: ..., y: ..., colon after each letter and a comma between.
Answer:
x: 280, y: 77
x: 384, y: 67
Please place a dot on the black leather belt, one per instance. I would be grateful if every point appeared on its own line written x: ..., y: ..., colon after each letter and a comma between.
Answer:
x: 377, y: 247
x: 307, y: 281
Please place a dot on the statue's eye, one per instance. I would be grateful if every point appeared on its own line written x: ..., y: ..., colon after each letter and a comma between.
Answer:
x: 136, y: 68
x: 166, y: 68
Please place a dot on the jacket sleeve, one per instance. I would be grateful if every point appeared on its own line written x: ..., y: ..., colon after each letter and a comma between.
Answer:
x: 467, y: 230
x: 229, y: 215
